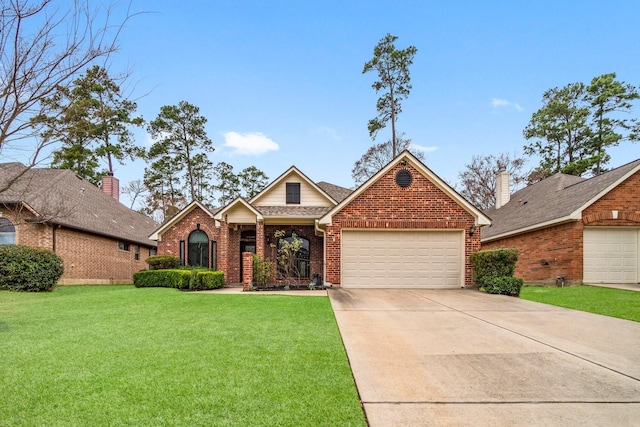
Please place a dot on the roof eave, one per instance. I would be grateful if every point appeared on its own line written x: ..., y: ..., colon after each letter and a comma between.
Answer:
x: 556, y: 221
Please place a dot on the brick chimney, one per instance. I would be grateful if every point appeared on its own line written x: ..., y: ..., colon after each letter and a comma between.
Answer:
x: 503, y: 192
x: 111, y: 186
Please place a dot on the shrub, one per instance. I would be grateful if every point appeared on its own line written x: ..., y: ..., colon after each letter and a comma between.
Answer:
x: 261, y: 270
x: 211, y: 279
x: 178, y: 279
x: 163, y: 262
x: 23, y: 268
x: 505, y: 285
x: 493, y: 263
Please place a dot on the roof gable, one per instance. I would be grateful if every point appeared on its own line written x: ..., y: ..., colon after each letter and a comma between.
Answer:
x: 404, y: 158
x: 556, y: 199
x: 275, y: 193
x: 157, y: 234
x: 239, y: 211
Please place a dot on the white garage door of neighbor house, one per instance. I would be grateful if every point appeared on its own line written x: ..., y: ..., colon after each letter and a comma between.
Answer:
x: 611, y: 255
x: 402, y: 259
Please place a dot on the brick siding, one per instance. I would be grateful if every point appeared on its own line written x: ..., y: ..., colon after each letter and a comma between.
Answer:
x: 87, y: 258
x: 561, y: 246
x: 385, y: 205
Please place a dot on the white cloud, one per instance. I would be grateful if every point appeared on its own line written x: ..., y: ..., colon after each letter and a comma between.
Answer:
x: 331, y: 133
x: 249, y: 144
x: 424, y: 149
x: 497, y: 103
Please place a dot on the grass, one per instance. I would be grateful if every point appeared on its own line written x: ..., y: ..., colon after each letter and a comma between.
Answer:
x: 117, y: 355
x: 619, y: 303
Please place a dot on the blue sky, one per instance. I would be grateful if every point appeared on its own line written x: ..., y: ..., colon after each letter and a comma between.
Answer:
x: 287, y: 76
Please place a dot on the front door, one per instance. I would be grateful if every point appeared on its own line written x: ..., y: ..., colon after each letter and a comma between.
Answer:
x: 246, y: 247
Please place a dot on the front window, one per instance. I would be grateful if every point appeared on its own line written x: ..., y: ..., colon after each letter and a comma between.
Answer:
x: 198, y: 251
x: 295, y: 257
x: 7, y: 232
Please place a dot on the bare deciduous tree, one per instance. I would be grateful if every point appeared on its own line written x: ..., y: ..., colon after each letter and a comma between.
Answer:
x: 42, y: 48
x: 478, y: 180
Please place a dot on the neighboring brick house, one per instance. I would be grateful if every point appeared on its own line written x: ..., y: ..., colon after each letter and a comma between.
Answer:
x: 579, y: 230
x: 100, y: 240
x: 404, y: 227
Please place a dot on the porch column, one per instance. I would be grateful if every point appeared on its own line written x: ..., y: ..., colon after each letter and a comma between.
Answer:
x: 223, y: 249
x: 247, y: 270
x: 260, y: 241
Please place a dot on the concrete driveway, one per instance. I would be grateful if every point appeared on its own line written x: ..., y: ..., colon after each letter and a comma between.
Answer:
x: 462, y: 357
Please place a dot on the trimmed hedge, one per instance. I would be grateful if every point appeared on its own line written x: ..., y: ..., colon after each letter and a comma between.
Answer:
x: 24, y: 268
x: 179, y: 279
x: 493, y: 271
x: 163, y: 262
x: 504, y: 285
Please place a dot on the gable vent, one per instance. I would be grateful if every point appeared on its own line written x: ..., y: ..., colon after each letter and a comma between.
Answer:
x: 404, y: 178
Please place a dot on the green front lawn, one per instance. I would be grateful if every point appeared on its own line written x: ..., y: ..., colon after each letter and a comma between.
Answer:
x: 610, y: 302
x: 117, y: 355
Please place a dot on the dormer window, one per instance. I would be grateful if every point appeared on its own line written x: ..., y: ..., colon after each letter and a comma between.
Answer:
x: 293, y: 193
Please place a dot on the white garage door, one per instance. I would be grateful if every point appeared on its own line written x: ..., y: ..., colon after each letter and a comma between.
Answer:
x: 402, y: 259
x: 611, y: 255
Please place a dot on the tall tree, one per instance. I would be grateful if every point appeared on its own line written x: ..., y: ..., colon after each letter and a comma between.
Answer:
x: 92, y: 120
x: 42, y: 48
x: 228, y: 184
x: 478, y: 180
x: 608, y: 97
x: 252, y: 181
x: 392, y: 66
x: 578, y: 123
x: 560, y: 131
x: 179, y: 133
x: 377, y: 156
x: 165, y: 190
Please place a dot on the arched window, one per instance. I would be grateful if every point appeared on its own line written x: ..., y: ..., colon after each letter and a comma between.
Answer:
x: 7, y: 232
x: 300, y: 264
x: 198, y: 250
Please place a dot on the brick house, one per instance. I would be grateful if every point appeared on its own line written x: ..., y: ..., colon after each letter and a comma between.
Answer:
x: 100, y: 240
x: 404, y: 227
x: 580, y: 230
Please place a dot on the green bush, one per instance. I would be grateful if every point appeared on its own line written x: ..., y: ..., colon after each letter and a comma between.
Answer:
x: 505, y: 285
x: 163, y: 262
x: 179, y: 279
x: 493, y: 263
x: 211, y: 279
x: 23, y: 268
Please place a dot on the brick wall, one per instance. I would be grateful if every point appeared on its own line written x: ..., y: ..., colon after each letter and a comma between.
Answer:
x: 547, y: 253
x: 87, y: 258
x: 385, y: 205
x: 625, y: 199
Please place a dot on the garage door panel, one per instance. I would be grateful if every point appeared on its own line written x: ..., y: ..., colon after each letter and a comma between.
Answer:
x: 418, y: 259
x: 611, y: 255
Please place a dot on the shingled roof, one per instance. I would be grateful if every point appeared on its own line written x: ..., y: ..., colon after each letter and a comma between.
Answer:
x: 335, y: 191
x: 553, y: 200
x: 58, y: 196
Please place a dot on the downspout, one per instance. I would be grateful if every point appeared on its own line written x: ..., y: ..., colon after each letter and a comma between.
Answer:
x: 53, y: 238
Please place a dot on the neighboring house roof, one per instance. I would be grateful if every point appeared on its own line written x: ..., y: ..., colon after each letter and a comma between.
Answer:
x: 157, y: 234
x: 58, y: 196
x: 406, y: 156
x: 556, y: 199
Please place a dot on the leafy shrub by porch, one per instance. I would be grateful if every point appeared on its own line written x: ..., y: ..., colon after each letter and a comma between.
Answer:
x: 179, y: 279
x: 23, y: 268
x: 505, y: 285
x: 163, y: 262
